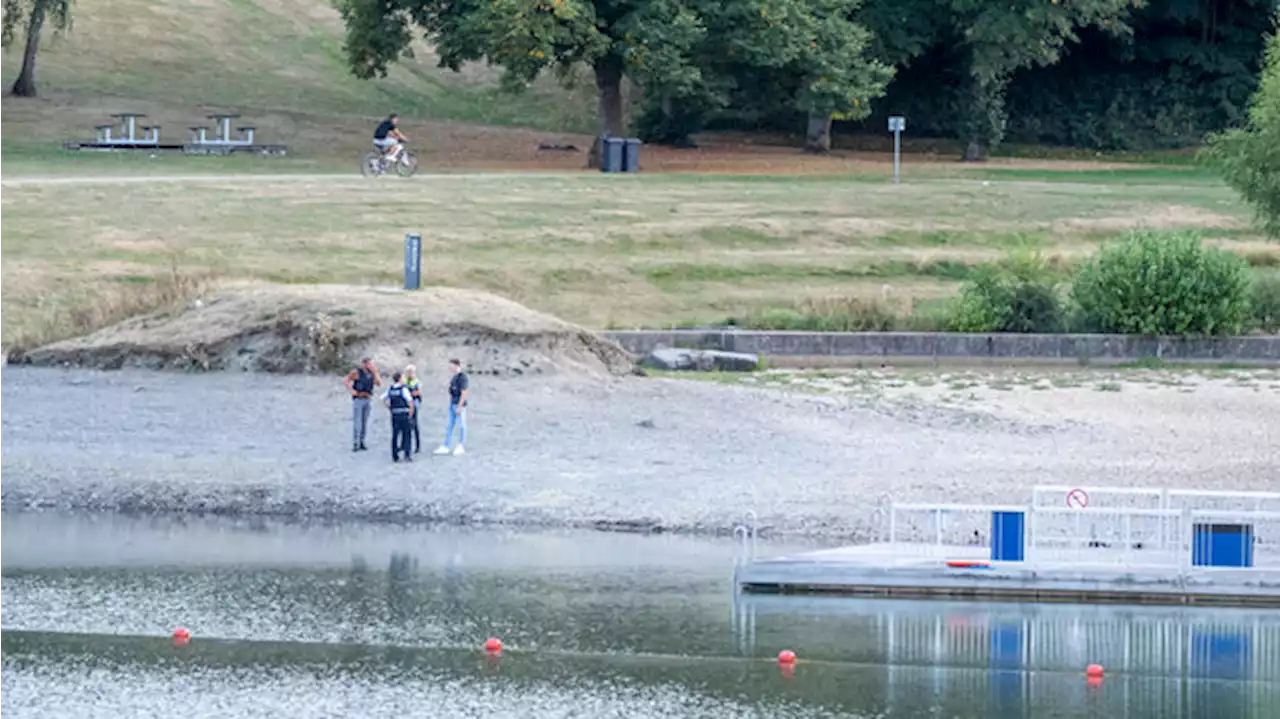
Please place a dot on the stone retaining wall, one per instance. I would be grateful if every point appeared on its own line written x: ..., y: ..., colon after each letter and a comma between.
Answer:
x: 943, y: 345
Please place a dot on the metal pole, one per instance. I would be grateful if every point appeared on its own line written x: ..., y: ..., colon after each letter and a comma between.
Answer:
x: 897, y: 137
x: 412, y: 261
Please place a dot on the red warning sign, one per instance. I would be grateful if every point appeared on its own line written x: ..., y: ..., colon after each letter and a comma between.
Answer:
x: 1077, y: 499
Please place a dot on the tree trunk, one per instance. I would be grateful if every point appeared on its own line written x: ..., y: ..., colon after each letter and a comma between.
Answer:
x: 817, y: 139
x: 982, y: 118
x: 608, y: 71
x: 25, y: 85
x: 975, y: 151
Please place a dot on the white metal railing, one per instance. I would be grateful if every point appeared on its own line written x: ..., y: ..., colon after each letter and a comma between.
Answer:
x: 1061, y: 495
x: 941, y: 523
x: 1054, y: 495
x: 1147, y: 537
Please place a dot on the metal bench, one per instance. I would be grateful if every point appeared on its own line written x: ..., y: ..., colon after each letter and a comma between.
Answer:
x: 199, y: 135
x: 246, y: 134
x: 150, y: 133
x: 104, y: 132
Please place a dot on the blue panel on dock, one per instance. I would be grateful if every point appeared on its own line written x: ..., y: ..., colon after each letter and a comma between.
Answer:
x: 1007, y: 536
x: 1222, y: 545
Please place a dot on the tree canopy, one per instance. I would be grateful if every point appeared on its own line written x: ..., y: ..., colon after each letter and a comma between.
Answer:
x: 676, y: 50
x: 1250, y: 155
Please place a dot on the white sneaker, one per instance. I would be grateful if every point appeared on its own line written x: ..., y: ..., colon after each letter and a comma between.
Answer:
x: 458, y: 450
x: 441, y: 450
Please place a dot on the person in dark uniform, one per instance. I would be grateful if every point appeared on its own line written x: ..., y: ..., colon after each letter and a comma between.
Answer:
x: 360, y: 383
x: 400, y: 402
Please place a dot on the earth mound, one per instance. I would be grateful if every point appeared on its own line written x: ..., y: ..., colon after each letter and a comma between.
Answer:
x: 327, y: 328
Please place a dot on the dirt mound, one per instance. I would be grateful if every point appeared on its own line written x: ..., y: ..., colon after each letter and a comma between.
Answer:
x: 326, y: 328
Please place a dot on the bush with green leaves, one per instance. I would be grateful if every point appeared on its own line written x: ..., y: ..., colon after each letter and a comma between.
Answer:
x: 1163, y: 283
x: 1265, y: 304
x: 1250, y: 155
x: 1016, y: 295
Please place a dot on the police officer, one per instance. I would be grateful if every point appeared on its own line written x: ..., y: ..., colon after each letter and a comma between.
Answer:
x: 414, y: 385
x: 400, y: 402
x: 360, y: 383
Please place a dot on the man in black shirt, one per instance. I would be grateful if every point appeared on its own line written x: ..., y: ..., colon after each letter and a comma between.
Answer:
x: 387, y: 137
x: 459, y: 387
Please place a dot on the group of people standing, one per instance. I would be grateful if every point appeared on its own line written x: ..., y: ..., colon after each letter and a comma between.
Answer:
x: 404, y: 399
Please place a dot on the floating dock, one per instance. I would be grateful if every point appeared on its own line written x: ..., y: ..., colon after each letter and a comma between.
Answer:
x: 1174, y: 548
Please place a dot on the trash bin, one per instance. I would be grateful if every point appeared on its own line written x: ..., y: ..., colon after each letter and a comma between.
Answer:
x: 611, y: 152
x: 631, y: 155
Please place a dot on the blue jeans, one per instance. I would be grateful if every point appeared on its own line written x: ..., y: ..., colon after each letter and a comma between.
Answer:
x: 457, y: 418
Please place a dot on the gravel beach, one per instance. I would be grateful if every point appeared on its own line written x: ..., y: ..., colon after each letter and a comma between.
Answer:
x: 633, y: 452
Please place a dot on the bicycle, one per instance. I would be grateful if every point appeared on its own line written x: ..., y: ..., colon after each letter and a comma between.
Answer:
x: 375, y: 164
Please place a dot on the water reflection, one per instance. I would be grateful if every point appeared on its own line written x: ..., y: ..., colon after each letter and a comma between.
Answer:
x: 1228, y: 659
x: 633, y: 626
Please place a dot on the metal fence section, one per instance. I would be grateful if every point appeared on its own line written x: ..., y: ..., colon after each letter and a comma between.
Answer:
x: 1181, y: 530
x: 1109, y: 535
x: 942, y: 525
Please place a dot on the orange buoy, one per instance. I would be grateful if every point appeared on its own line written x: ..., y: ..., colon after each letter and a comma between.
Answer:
x: 786, y: 656
x: 1093, y: 670
x: 181, y: 635
x: 493, y: 645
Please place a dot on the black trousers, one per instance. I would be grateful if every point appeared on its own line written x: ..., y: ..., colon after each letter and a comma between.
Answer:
x: 401, y: 428
x: 417, y: 436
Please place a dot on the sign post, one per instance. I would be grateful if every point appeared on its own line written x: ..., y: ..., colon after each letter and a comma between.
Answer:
x: 412, y: 261
x: 897, y: 123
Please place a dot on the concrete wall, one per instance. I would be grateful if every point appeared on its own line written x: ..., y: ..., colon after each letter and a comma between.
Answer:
x: 942, y: 345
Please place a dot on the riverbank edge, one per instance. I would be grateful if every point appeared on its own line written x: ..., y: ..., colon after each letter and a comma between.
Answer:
x: 830, y: 348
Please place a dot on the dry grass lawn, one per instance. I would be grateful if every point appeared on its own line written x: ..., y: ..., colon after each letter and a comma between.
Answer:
x: 617, y: 251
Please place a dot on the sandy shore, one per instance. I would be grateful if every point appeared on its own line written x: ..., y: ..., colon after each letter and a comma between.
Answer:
x: 811, y: 454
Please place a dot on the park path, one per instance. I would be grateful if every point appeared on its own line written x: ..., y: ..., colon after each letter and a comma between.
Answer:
x: 146, y: 179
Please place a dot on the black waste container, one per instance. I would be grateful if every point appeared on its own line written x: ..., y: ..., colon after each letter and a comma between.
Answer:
x: 611, y: 151
x: 631, y: 156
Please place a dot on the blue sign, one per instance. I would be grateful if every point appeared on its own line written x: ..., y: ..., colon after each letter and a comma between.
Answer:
x: 412, y: 261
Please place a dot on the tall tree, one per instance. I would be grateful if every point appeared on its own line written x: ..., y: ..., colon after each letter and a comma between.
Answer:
x: 1000, y: 38
x: 816, y: 55
x: 1250, y: 156
x: 33, y: 14
x: 673, y: 48
x: 647, y: 39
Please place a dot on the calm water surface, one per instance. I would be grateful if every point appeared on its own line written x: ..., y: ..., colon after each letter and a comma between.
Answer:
x: 374, y: 620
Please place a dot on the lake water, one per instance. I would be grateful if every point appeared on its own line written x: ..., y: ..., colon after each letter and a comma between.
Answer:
x: 353, y: 620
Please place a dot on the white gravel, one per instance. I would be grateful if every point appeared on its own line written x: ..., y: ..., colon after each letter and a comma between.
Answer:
x: 682, y: 455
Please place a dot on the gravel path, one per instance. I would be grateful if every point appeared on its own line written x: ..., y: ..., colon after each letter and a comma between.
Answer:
x: 682, y: 455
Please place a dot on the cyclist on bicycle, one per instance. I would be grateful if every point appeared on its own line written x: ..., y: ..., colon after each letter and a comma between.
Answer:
x: 387, y: 137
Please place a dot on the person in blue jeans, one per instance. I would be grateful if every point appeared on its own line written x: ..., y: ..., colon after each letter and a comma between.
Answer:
x: 459, y: 386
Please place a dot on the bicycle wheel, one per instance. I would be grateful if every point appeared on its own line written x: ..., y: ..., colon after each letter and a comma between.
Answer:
x: 370, y: 164
x: 407, y: 165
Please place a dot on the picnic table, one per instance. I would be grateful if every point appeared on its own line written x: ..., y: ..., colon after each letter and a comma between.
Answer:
x: 129, y: 126
x: 222, y: 127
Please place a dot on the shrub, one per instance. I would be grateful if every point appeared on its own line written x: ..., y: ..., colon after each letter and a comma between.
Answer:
x: 1016, y: 295
x: 830, y: 314
x: 1265, y: 304
x: 1162, y: 283
x: 1250, y: 156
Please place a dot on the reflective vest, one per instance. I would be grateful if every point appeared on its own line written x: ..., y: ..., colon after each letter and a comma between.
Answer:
x: 415, y: 389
